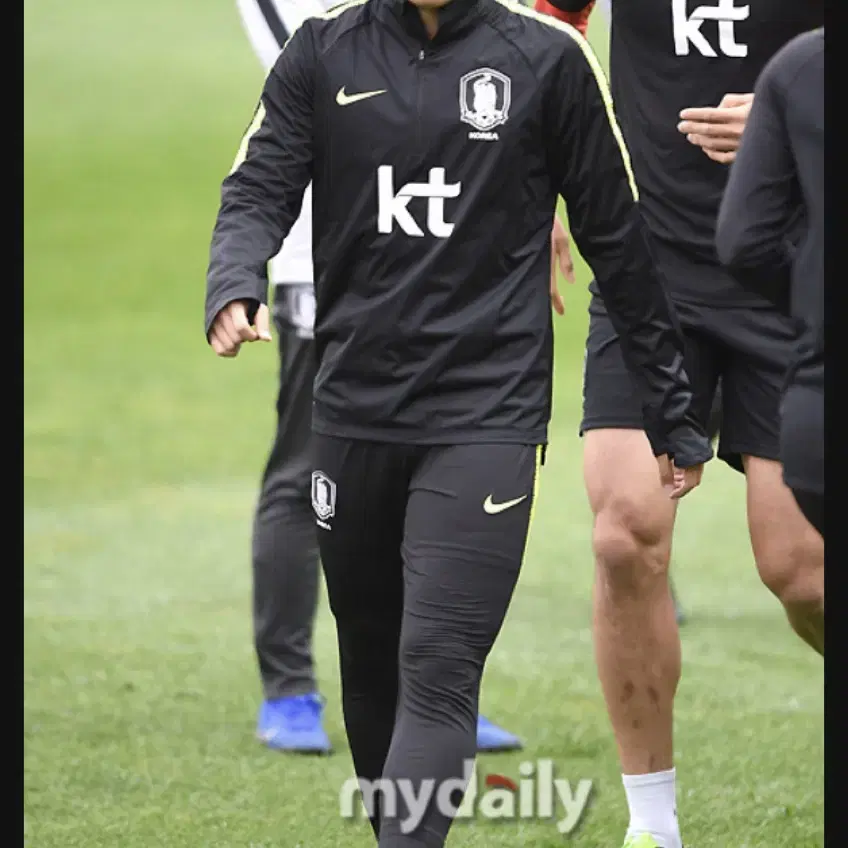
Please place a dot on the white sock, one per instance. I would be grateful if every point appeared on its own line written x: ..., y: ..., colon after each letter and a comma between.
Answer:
x: 652, y: 799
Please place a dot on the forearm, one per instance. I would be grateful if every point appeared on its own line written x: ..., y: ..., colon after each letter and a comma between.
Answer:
x: 601, y: 196
x: 248, y: 233
x: 262, y: 196
x: 760, y: 214
x: 651, y: 344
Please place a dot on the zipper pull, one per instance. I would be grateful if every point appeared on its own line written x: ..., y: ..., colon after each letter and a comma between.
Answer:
x: 421, y: 56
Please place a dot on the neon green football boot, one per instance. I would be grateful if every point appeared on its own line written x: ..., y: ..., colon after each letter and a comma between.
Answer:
x: 641, y: 841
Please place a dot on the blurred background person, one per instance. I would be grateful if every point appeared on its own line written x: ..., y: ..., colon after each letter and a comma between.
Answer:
x: 285, y: 550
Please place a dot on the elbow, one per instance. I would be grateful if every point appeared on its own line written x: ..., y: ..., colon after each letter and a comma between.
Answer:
x: 735, y: 259
x: 736, y: 250
x: 760, y: 267
x: 743, y: 245
x: 742, y: 258
x: 730, y: 247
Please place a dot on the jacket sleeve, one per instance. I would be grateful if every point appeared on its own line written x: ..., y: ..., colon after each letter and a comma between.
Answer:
x: 574, y: 12
x: 761, y: 212
x: 592, y: 168
x: 262, y: 196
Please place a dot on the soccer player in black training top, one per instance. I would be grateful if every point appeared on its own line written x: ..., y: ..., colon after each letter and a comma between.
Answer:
x: 437, y: 137
x: 285, y: 548
x: 771, y: 235
x: 682, y: 74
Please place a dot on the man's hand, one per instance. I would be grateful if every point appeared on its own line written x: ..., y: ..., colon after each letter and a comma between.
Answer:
x: 718, y: 130
x: 560, y: 258
x: 231, y: 328
x: 678, y: 482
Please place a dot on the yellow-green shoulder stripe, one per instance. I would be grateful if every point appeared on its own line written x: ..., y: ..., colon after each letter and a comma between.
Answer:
x: 540, y: 452
x: 241, y: 155
x: 597, y: 70
x: 259, y: 117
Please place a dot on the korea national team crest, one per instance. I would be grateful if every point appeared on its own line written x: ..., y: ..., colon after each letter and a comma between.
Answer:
x: 484, y: 100
x: 323, y: 498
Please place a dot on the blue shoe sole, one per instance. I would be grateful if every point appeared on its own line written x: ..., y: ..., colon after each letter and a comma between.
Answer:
x: 304, y: 750
x: 500, y: 747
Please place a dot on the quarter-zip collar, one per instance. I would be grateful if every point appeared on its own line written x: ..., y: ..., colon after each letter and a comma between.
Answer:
x: 455, y: 19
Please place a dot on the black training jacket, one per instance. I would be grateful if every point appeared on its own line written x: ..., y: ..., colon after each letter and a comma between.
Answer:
x: 436, y: 166
x: 771, y: 226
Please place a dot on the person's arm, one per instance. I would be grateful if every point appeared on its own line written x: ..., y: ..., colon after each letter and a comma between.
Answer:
x: 262, y: 196
x: 594, y: 175
x: 760, y: 208
x: 574, y: 12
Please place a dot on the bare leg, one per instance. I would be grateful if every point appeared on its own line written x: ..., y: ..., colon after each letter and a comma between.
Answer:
x: 637, y: 645
x: 636, y: 641
x: 788, y: 551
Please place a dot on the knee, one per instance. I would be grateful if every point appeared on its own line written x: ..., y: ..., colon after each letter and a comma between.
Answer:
x: 631, y: 541
x: 793, y: 570
x: 440, y: 674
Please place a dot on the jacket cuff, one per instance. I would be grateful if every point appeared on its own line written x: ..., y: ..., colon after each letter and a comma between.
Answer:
x: 685, y: 444
x: 244, y: 293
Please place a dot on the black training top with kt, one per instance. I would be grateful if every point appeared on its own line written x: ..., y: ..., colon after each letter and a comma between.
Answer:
x: 669, y: 55
x: 436, y: 166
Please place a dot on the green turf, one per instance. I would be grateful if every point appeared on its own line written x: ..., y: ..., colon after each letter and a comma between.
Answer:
x: 142, y: 454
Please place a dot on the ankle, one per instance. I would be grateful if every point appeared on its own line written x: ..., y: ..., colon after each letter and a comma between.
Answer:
x: 652, y: 801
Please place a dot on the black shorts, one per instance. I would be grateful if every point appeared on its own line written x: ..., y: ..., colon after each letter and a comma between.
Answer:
x: 812, y: 505
x: 747, y: 349
x: 388, y: 514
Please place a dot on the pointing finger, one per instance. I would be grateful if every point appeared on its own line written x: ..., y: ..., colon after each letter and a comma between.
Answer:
x: 728, y: 130
x: 708, y: 115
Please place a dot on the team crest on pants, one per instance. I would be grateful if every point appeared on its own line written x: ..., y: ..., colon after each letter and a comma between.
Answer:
x: 484, y: 99
x: 323, y: 498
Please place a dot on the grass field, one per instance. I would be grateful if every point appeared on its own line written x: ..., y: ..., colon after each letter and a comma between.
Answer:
x: 142, y: 452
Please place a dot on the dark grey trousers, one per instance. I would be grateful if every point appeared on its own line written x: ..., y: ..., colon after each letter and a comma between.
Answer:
x: 285, y: 548
x: 422, y: 547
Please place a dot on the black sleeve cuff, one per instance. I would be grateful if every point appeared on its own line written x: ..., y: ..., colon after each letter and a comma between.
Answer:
x: 684, y: 444
x: 213, y: 308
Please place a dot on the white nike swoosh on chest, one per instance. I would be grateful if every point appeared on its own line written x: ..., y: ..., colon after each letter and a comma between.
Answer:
x: 344, y: 99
